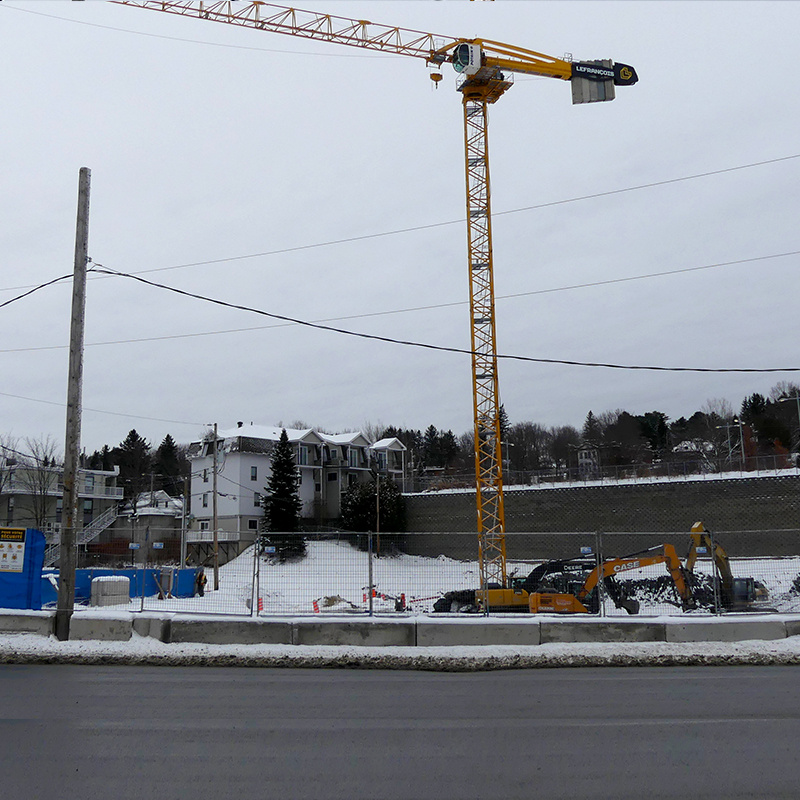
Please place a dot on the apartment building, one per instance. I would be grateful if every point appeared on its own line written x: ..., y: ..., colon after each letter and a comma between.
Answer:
x: 327, y: 464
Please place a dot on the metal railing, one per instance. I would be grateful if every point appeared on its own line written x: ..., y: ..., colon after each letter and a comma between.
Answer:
x: 702, y: 469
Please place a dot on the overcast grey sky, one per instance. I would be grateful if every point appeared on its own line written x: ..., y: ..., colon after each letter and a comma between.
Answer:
x: 209, y: 142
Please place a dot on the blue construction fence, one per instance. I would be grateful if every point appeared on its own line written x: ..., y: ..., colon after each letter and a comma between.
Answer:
x: 143, y: 582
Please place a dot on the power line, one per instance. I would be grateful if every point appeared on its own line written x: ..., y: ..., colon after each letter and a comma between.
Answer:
x: 411, y: 309
x: 427, y: 346
x: 432, y: 225
x: 100, y: 410
x: 34, y: 289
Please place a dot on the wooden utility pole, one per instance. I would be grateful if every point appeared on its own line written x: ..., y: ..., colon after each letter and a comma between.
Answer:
x: 67, y: 562
x: 215, y: 515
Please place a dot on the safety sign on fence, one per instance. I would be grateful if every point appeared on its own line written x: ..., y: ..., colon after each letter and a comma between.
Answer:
x: 12, y: 549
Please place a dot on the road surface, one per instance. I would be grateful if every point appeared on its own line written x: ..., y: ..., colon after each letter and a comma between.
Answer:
x: 152, y: 732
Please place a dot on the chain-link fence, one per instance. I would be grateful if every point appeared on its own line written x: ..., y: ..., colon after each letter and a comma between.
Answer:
x: 605, y: 574
x: 609, y: 574
x: 698, y: 468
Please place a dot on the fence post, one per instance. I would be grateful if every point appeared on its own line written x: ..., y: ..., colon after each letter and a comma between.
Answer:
x: 715, y: 573
x: 255, y: 592
x: 601, y: 597
x: 369, y: 571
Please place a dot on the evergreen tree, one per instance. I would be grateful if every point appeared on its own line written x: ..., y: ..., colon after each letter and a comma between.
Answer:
x: 170, y: 465
x: 134, y: 458
x: 431, y: 452
x: 655, y: 431
x: 359, y: 512
x: 281, y: 504
x: 505, y: 425
x: 592, y: 431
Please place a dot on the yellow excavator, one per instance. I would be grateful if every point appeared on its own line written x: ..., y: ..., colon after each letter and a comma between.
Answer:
x: 546, y: 600
x: 733, y: 594
x: 571, y: 586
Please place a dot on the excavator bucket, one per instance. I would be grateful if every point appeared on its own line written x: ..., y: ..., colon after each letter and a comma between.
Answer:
x: 630, y: 605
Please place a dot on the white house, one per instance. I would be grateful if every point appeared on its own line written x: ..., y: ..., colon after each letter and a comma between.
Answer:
x: 327, y: 465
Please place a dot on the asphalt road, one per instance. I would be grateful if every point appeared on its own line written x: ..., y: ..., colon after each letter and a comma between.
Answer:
x: 151, y: 732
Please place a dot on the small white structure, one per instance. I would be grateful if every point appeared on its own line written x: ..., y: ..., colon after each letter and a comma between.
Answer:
x: 110, y: 590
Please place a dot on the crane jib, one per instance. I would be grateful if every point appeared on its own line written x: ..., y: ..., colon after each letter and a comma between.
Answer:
x: 621, y: 74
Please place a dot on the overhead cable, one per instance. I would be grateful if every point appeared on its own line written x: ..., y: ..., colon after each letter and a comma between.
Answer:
x: 427, y: 346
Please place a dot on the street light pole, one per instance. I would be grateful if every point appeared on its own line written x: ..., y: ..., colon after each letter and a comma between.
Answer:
x: 738, y: 422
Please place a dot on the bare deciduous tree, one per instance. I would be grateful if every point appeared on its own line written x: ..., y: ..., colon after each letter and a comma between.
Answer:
x: 38, y: 471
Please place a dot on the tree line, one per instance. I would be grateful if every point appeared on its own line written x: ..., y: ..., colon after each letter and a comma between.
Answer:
x: 762, y: 426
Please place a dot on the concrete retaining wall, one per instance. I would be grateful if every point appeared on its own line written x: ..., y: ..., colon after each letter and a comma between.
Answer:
x: 768, y: 505
x: 442, y: 631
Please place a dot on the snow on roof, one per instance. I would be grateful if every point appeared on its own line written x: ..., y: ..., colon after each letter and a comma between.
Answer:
x: 157, y: 503
x: 269, y: 433
x: 344, y: 438
x: 388, y: 444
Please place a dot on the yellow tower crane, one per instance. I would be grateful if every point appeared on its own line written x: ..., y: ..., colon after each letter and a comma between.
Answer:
x: 486, y: 72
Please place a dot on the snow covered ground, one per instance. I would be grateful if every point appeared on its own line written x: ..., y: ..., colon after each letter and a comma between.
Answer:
x: 28, y: 648
x: 334, y: 577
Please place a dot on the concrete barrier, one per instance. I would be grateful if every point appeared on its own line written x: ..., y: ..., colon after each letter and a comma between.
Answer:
x: 110, y: 590
x: 230, y: 631
x: 39, y: 622
x: 155, y: 626
x: 108, y: 629
x: 727, y: 630
x: 422, y: 631
x: 792, y: 627
x: 402, y: 633
x: 577, y: 630
x: 458, y: 632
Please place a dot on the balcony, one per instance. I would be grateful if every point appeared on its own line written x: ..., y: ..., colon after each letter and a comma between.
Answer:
x: 208, y: 536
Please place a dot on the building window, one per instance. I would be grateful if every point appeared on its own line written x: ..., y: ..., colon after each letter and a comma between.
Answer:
x: 205, y: 499
x: 333, y: 476
x: 317, y: 487
x: 256, y: 499
x: 204, y: 525
x: 302, y: 455
x: 205, y: 476
x: 252, y: 524
x: 353, y: 456
x: 89, y: 484
x: 381, y: 456
x: 253, y: 473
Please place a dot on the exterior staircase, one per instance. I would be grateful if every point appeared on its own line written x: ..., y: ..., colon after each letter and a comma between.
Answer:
x: 91, y: 531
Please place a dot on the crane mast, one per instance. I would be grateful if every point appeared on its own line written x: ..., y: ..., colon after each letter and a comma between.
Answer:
x: 484, y: 66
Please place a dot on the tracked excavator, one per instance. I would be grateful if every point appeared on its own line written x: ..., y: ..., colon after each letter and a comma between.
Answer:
x: 732, y: 594
x: 572, y: 586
